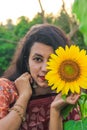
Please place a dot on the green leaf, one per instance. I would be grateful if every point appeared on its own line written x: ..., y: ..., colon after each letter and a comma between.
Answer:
x: 83, y: 104
x: 76, y: 125
x: 84, y: 123
x: 68, y: 125
x: 85, y: 107
x: 80, y: 9
x: 66, y: 110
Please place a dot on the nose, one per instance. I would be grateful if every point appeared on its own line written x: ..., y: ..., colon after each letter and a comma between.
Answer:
x: 44, y: 65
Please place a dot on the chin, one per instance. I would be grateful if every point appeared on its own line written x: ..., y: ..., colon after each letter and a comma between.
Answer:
x: 43, y: 85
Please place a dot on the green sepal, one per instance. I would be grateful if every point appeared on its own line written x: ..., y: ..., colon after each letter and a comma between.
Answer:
x: 64, y: 97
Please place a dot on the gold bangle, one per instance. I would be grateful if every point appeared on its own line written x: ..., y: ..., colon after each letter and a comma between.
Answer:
x: 18, y: 112
x: 19, y: 106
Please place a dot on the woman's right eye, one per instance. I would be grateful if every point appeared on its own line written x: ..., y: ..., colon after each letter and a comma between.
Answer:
x: 37, y: 59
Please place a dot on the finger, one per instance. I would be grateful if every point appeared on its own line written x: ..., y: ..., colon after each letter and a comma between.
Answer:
x: 75, y: 97
x: 72, y: 99
x: 25, y: 75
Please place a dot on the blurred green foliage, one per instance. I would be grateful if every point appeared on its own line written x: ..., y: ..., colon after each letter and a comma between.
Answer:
x: 80, y: 10
x: 6, y: 52
x: 10, y: 34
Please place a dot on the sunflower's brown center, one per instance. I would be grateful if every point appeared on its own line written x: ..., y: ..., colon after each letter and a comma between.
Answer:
x: 69, y: 70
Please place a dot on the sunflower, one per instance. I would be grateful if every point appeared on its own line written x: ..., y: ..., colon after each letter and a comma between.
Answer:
x: 67, y: 70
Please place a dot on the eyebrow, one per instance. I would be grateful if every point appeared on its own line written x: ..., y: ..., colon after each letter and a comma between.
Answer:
x: 36, y: 54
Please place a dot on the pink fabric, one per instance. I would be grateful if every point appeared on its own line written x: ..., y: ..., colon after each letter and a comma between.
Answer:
x: 8, y: 95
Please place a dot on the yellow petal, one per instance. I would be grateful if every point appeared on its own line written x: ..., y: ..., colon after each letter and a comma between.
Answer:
x: 75, y: 55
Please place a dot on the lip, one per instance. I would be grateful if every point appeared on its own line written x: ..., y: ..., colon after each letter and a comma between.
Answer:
x: 42, y: 78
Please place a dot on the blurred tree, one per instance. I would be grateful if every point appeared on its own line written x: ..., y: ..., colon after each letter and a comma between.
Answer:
x: 69, y: 24
x: 7, y: 46
x: 7, y: 33
x: 50, y: 18
x: 42, y: 14
x: 9, y: 24
x: 62, y: 21
x: 6, y: 52
x: 80, y: 11
x: 36, y: 20
x: 22, y: 26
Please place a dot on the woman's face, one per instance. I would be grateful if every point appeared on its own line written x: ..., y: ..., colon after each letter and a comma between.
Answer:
x: 38, y: 58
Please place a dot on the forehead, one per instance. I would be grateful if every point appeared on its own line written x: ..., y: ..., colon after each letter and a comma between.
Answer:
x: 41, y: 48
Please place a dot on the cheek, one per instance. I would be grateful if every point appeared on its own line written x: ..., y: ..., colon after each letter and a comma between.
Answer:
x: 33, y: 69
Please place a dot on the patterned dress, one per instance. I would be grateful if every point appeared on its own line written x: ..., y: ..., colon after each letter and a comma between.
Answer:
x: 38, y: 109
x: 8, y: 95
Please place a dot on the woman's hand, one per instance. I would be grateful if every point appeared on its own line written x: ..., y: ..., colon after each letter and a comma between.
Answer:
x: 59, y: 102
x: 55, y: 110
x: 19, y: 108
x: 23, y: 85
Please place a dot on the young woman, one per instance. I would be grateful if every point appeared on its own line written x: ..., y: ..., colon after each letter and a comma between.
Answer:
x: 26, y: 100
